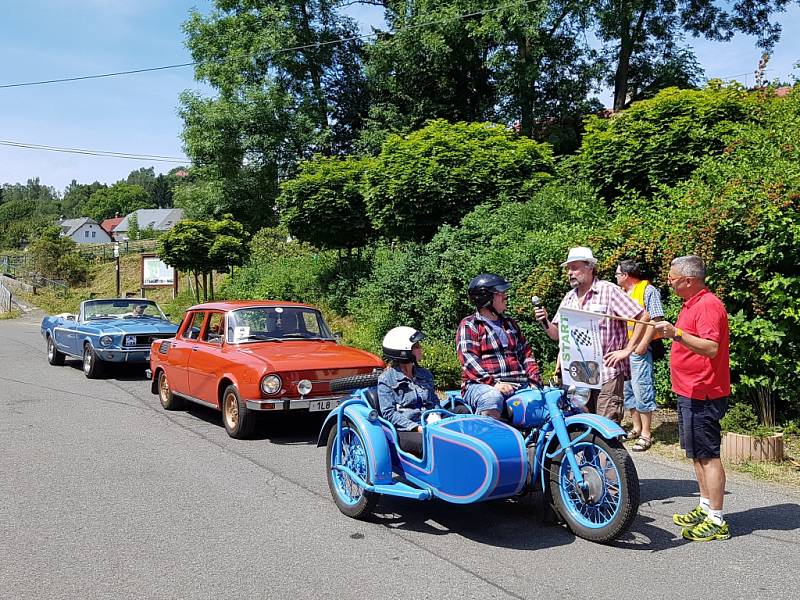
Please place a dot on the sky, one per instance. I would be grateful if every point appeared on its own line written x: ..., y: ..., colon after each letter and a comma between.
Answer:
x: 138, y: 114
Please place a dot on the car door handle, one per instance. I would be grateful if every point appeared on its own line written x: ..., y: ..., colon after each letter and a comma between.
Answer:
x: 195, y: 348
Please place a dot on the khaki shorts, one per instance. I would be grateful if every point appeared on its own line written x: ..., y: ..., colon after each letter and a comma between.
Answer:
x: 609, y: 401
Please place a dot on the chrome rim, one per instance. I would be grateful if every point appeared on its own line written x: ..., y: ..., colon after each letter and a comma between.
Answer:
x: 354, y: 457
x: 50, y: 348
x: 231, y: 411
x: 603, y: 499
x: 87, y: 360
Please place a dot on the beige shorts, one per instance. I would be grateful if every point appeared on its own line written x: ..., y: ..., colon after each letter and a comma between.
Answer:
x: 609, y: 401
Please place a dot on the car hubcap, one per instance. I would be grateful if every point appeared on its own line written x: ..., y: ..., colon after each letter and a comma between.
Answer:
x: 50, y: 349
x: 231, y: 411
x: 164, y: 387
x: 87, y: 360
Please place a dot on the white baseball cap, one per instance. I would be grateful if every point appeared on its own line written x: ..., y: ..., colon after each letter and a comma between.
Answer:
x: 580, y: 253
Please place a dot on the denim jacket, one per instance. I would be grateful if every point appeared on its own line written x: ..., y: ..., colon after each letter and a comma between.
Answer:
x: 403, y: 400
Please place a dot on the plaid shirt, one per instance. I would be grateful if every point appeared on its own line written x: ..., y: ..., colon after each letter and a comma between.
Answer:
x: 606, y: 298
x: 484, y: 358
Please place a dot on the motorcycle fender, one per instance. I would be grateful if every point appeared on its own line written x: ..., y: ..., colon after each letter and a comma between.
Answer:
x: 377, y: 446
x: 602, y: 425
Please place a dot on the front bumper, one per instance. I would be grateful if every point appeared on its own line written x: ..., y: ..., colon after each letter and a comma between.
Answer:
x: 123, y: 356
x: 294, y: 403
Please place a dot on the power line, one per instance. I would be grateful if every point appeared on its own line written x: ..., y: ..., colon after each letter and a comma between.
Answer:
x: 275, y: 52
x: 106, y: 153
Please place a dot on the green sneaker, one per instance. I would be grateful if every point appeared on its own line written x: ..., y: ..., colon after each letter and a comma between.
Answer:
x: 707, y: 531
x: 694, y: 517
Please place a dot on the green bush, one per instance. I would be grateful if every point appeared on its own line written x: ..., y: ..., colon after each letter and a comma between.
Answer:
x: 661, y: 141
x: 438, y: 174
x: 741, y: 418
x: 323, y: 203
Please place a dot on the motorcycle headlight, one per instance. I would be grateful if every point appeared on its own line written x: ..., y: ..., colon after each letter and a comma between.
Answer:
x: 579, y: 396
x: 106, y: 340
x: 304, y: 387
x: 271, y: 384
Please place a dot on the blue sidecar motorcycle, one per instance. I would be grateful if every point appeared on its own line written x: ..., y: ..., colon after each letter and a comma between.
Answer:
x: 575, y: 458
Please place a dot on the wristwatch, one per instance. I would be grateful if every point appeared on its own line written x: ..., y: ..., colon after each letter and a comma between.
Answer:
x: 678, y: 336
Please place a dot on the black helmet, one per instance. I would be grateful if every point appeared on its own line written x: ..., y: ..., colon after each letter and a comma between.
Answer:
x: 483, y: 287
x: 399, y: 342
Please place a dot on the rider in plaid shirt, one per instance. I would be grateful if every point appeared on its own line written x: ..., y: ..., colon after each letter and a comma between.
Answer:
x: 491, y: 346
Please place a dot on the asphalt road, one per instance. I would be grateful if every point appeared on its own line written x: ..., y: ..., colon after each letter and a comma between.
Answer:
x: 105, y: 495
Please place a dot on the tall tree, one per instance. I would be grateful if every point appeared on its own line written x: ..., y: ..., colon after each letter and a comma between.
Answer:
x: 632, y: 28
x: 284, y: 92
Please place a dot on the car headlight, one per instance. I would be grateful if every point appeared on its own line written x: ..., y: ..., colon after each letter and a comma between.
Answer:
x: 304, y: 387
x: 106, y: 340
x: 271, y: 384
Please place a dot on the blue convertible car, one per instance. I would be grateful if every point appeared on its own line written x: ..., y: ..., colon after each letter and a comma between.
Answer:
x: 114, y: 330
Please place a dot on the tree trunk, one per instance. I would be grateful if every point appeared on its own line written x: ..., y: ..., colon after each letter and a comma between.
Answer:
x: 211, y: 283
x: 205, y: 286
x: 627, y: 41
x: 196, y: 287
x: 525, y: 87
x: 316, y: 75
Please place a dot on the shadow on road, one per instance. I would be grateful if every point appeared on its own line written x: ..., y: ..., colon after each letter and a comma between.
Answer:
x: 279, y: 428
x: 516, y: 523
x: 780, y: 517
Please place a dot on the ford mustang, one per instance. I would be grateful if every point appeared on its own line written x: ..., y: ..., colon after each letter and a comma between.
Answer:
x: 104, y: 331
x: 249, y: 357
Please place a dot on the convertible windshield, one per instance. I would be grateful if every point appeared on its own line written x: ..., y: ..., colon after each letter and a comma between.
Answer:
x: 133, y: 308
x: 275, y: 323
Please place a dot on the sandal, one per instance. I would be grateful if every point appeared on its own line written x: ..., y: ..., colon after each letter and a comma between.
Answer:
x: 632, y: 435
x: 642, y: 444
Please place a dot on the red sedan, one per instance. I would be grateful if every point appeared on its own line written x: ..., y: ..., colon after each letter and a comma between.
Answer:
x: 243, y: 357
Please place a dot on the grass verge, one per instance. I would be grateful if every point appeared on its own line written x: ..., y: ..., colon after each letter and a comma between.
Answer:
x: 666, y: 444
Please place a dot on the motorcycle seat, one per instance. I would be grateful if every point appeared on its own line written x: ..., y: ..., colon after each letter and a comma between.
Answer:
x: 371, y: 394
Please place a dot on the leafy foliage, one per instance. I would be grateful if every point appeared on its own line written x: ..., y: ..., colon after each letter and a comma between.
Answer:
x: 661, y: 141
x: 54, y: 257
x: 438, y: 174
x: 120, y: 198
x: 324, y: 205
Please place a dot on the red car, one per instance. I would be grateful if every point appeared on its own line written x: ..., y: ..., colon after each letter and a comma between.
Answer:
x: 243, y: 357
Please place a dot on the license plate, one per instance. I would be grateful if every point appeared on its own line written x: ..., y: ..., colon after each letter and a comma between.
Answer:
x: 316, y: 405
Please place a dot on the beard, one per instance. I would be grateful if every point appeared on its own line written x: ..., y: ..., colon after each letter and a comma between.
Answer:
x: 573, y: 282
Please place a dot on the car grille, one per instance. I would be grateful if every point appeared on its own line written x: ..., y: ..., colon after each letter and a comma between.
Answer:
x: 144, y: 341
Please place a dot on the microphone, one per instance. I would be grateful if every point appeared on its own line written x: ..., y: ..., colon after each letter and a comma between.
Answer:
x: 537, y: 303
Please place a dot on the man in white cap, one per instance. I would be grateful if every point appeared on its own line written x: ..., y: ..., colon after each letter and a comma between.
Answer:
x: 591, y: 294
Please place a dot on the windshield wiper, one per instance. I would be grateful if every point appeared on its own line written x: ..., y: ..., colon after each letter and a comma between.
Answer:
x: 260, y: 337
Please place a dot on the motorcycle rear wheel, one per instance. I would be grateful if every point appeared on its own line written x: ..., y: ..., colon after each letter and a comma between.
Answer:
x: 350, y: 498
x: 611, y: 503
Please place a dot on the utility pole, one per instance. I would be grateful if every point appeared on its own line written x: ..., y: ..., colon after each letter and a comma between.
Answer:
x: 116, y: 258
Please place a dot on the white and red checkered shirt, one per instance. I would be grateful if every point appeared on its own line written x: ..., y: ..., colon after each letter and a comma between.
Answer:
x: 608, y: 299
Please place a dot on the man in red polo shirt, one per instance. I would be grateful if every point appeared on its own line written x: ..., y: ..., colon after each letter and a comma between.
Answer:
x: 701, y: 378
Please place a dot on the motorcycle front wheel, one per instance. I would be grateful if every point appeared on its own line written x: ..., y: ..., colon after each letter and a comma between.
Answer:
x: 351, y: 499
x: 607, y: 507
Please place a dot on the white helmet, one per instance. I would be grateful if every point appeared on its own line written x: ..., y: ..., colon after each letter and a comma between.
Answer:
x: 397, y: 343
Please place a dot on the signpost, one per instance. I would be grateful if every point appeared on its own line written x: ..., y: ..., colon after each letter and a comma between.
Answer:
x: 116, y: 260
x: 156, y: 273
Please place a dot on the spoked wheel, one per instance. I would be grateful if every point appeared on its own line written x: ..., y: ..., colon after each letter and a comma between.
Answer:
x: 92, y: 366
x: 608, y: 506
x: 236, y: 416
x: 54, y: 357
x: 349, y: 496
x: 168, y: 400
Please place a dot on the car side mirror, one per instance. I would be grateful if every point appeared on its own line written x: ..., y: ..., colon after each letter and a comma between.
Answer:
x: 337, y: 335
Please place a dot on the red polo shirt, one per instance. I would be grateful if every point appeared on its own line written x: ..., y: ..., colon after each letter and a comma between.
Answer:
x: 695, y: 376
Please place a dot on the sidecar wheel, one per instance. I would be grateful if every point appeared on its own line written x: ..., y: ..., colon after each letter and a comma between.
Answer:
x: 349, y: 497
x: 612, y: 499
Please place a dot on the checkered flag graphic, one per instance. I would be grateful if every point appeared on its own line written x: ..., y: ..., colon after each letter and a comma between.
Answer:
x: 582, y: 337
